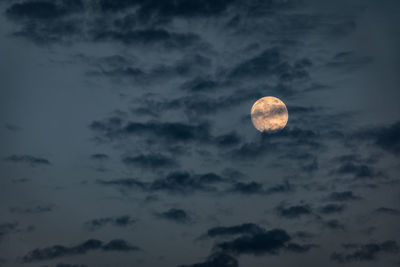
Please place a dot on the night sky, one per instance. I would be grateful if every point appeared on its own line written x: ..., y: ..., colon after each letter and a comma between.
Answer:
x: 126, y: 135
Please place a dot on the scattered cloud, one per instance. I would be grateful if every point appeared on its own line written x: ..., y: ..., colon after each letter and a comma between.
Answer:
x: 119, y: 221
x: 58, y: 251
x: 365, y: 252
x: 28, y: 159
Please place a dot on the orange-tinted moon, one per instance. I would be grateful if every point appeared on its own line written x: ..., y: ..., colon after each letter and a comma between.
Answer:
x: 269, y: 114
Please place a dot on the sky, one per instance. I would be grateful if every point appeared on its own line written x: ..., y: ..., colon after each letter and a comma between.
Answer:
x: 127, y: 138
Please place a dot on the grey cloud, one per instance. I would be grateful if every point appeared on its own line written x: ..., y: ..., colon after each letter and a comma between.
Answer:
x: 293, y: 212
x: 150, y: 161
x: 32, y: 210
x: 343, y: 196
x: 175, y: 215
x: 58, y: 251
x: 175, y: 182
x: 28, y: 159
x: 365, y: 252
x: 331, y: 208
x: 217, y: 259
x: 119, y: 221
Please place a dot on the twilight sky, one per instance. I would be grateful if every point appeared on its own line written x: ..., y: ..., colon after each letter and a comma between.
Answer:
x: 127, y: 139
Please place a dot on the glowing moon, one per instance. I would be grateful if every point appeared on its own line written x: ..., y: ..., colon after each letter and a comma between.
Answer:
x: 269, y: 114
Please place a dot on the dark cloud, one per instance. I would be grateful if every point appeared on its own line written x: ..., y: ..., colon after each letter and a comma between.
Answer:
x: 119, y: 245
x: 271, y: 62
x: 246, y: 228
x: 7, y: 228
x: 168, y: 8
x: 99, y: 156
x: 12, y: 127
x: 150, y: 161
x: 70, y: 265
x: 228, y: 140
x: 184, y: 182
x: 386, y: 137
x: 293, y: 212
x: 27, y: 159
x: 149, y: 37
x: 331, y: 208
x: 333, y: 224
x: 58, y: 251
x: 174, y: 182
x: 43, y: 9
x: 176, y: 215
x: 365, y: 252
x: 285, y: 187
x: 348, y: 61
x: 248, y: 188
x: 129, y: 183
x: 216, y: 260
x: 359, y: 171
x: 389, y: 211
x: 250, y: 238
x: 343, y: 196
x: 266, y: 242
x: 200, y: 104
x: 200, y: 84
x: 32, y: 210
x: 287, y: 138
x: 119, y: 221
x: 169, y: 131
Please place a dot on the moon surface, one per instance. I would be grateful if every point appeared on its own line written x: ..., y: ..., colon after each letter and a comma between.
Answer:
x: 269, y: 114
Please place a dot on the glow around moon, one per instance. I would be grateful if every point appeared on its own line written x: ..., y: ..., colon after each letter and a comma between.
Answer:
x: 269, y: 114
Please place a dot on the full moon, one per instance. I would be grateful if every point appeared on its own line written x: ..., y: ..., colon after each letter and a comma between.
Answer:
x: 269, y: 114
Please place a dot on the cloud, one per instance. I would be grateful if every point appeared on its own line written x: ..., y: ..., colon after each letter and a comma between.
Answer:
x: 365, y: 252
x: 246, y: 228
x: 58, y: 251
x: 333, y: 224
x: 149, y: 37
x: 99, y: 156
x: 252, y: 187
x: 168, y: 131
x: 267, y: 242
x: 184, y: 182
x: 348, y: 61
x: 119, y: 221
x: 287, y: 138
x: 252, y: 239
x: 119, y: 245
x: 294, y: 212
x: 43, y: 9
x: 343, y: 196
x: 27, y: 159
x: 32, y: 210
x: 248, y: 188
x: 65, y: 18
x: 70, y: 265
x: 168, y: 8
x: 331, y: 208
x: 12, y: 127
x: 385, y: 137
x: 216, y: 260
x: 129, y: 183
x: 271, y: 62
x: 150, y: 161
x: 176, y: 215
x: 175, y: 182
x: 7, y: 228
x: 390, y: 211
